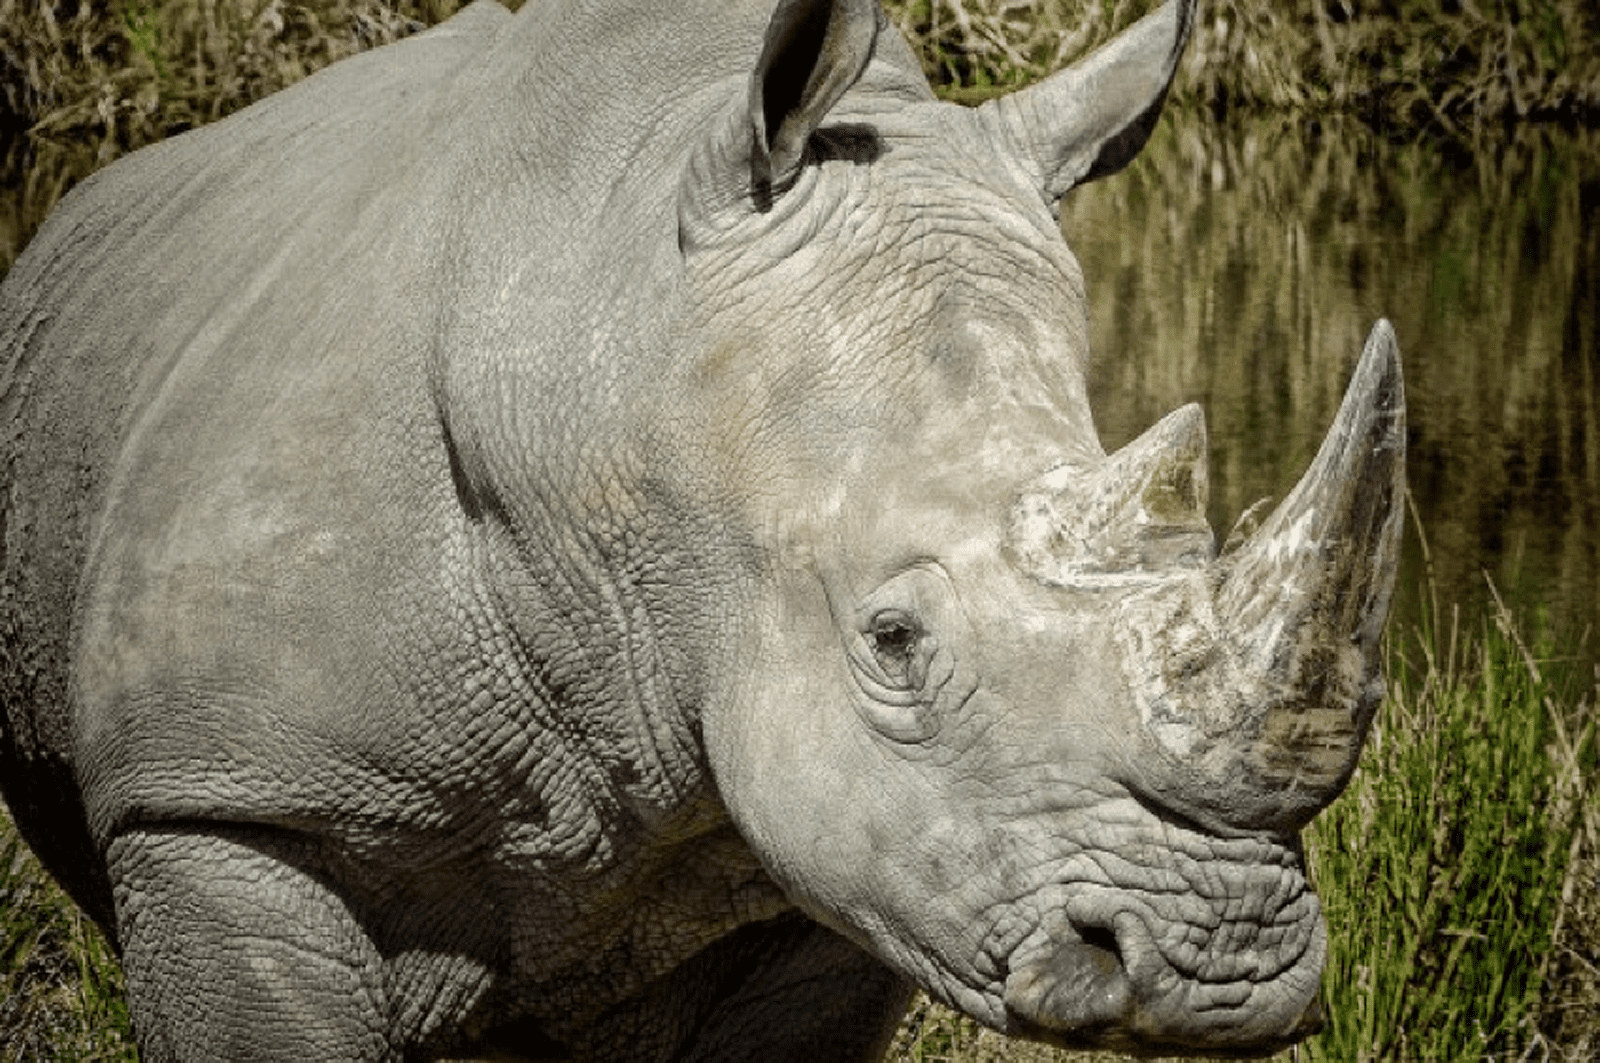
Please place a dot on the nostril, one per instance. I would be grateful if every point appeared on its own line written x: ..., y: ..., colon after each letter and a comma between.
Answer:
x: 1102, y: 938
x: 1079, y: 986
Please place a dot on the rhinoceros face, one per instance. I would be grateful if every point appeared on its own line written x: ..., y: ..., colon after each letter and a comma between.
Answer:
x: 999, y: 711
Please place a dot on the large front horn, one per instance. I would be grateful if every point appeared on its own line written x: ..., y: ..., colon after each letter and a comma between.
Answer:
x: 1327, y: 556
x: 1256, y: 685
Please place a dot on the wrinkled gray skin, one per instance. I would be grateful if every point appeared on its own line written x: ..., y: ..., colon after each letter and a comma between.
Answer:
x: 582, y: 533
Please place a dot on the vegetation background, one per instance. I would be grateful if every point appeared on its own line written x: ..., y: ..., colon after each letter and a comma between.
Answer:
x: 1461, y: 872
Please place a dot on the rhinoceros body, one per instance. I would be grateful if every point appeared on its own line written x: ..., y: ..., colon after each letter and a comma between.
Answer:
x: 582, y: 535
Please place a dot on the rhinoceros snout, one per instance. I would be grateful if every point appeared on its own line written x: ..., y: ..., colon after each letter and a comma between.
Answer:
x: 1217, y: 946
x: 1093, y: 990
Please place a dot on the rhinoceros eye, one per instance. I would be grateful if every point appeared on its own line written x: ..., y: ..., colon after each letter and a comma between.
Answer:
x: 894, y: 638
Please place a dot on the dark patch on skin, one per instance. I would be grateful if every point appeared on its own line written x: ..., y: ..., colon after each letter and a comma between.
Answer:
x: 955, y: 361
x: 854, y: 143
x: 955, y: 352
x: 848, y: 142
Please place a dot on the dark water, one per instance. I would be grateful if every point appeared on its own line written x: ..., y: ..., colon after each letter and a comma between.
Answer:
x: 1242, y: 270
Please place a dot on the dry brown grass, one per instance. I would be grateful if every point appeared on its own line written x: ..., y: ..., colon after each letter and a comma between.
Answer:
x: 1406, y: 64
x: 83, y: 84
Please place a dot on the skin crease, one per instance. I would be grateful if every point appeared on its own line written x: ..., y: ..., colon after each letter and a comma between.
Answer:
x: 559, y: 598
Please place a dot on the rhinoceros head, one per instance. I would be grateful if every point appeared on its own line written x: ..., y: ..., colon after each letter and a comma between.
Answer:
x: 998, y: 709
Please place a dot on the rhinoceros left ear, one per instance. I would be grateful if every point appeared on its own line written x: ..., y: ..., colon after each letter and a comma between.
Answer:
x: 1091, y: 119
x: 814, y: 50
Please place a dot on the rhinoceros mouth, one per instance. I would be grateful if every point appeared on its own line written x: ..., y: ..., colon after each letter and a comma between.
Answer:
x: 1204, y: 943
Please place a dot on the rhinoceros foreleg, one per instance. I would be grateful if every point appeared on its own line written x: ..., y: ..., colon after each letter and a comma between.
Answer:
x: 811, y: 996
x: 233, y: 952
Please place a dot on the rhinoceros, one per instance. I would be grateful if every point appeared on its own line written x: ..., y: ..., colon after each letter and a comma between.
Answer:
x: 582, y: 535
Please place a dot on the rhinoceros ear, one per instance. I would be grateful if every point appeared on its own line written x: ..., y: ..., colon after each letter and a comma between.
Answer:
x: 813, y: 52
x: 1091, y: 119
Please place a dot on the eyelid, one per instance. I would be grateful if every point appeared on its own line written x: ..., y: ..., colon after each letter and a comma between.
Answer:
x: 892, y: 618
x: 918, y: 591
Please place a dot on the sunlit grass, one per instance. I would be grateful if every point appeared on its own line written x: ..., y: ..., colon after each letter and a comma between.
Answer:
x: 1451, y: 866
x: 1404, y: 64
x: 60, y: 987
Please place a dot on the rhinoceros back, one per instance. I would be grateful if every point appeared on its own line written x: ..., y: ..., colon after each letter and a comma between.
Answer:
x: 141, y: 266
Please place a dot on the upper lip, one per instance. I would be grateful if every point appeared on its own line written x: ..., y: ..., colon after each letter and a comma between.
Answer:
x: 1227, y: 959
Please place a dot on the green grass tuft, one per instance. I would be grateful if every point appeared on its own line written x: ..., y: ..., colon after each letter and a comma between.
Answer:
x: 61, y: 993
x: 1451, y: 865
